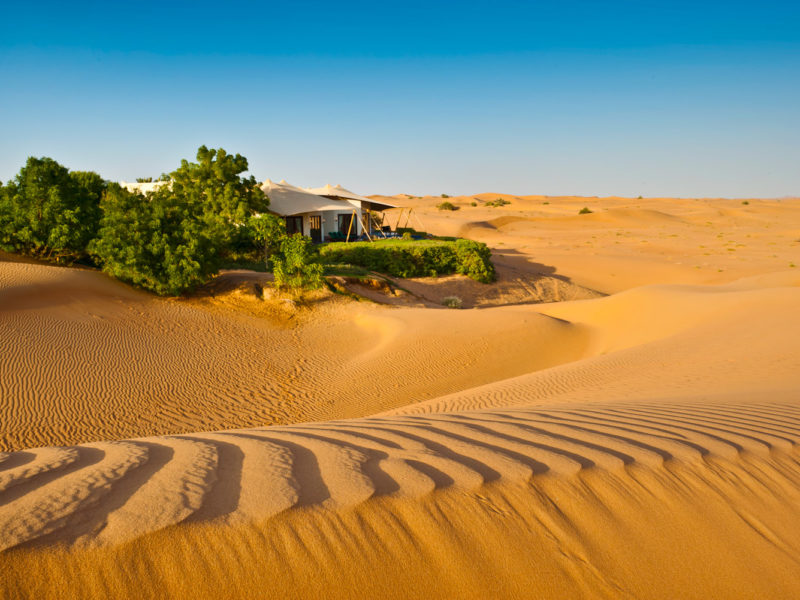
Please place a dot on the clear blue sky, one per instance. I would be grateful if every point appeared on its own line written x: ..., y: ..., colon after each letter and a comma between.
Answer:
x: 558, y: 97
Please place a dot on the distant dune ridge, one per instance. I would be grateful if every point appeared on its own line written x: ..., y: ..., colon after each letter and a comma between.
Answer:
x: 641, y: 444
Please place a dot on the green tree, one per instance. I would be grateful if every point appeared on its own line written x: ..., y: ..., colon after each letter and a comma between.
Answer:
x: 172, y: 240
x: 48, y: 212
x: 296, y: 266
x: 157, y: 242
x: 214, y: 183
x: 269, y: 230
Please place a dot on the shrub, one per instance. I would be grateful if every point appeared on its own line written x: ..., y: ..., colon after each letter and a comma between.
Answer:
x: 445, y: 196
x: 447, y: 206
x: 498, y: 202
x: 49, y: 212
x: 452, y: 302
x: 415, y: 258
x: 296, y: 265
x: 474, y: 259
x: 266, y: 229
x: 585, y: 211
x: 745, y: 202
x: 473, y: 203
x: 176, y: 238
x: 159, y: 243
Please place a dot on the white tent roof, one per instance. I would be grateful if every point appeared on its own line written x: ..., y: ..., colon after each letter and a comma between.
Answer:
x: 144, y: 187
x: 338, y: 191
x: 286, y: 199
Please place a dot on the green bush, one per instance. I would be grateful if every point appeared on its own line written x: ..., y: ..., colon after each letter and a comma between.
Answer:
x: 473, y: 203
x: 296, y: 264
x: 49, y: 212
x: 177, y: 237
x: 447, y: 206
x: 424, y: 258
x: 585, y: 211
x: 159, y: 243
x: 452, y: 302
x: 474, y: 259
x: 445, y: 196
x: 497, y: 202
x: 266, y: 230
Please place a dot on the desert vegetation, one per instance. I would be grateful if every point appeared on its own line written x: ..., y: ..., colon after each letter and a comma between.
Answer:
x: 415, y: 258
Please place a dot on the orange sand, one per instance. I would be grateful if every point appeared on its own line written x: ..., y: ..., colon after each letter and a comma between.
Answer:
x: 639, y: 445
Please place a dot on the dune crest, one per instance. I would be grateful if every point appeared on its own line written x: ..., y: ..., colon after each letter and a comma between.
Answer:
x: 577, y: 479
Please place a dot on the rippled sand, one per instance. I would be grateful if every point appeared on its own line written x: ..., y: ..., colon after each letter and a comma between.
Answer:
x: 639, y: 445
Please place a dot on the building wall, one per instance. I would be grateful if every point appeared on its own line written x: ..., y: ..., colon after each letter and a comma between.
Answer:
x: 330, y: 222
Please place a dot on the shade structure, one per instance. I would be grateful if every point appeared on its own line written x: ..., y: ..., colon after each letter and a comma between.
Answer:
x: 286, y: 200
x: 337, y: 191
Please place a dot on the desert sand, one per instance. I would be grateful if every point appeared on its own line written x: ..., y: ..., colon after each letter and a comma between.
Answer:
x: 617, y: 417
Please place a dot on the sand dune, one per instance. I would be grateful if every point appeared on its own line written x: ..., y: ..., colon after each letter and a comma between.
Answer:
x: 613, y: 500
x: 84, y: 358
x: 638, y: 445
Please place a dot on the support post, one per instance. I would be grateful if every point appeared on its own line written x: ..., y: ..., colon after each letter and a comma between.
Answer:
x: 350, y: 227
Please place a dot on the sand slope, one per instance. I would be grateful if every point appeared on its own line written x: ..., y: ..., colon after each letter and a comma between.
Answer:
x: 85, y: 358
x: 614, y: 500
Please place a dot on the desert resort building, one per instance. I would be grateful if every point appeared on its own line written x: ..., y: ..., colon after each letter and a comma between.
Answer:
x: 328, y: 213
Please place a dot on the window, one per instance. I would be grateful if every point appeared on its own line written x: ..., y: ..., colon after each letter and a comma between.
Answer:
x: 344, y: 224
x: 294, y: 225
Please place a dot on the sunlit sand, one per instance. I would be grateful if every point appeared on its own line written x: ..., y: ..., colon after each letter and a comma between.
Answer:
x: 617, y: 417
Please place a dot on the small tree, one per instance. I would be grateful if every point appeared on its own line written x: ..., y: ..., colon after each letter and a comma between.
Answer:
x: 171, y: 240
x: 48, y: 212
x: 227, y: 200
x: 295, y: 266
x: 269, y: 230
x: 158, y: 242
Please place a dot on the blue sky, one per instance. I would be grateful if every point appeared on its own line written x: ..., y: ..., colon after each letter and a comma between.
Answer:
x: 594, y: 98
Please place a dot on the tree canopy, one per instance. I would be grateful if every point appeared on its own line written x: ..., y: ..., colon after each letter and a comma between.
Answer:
x: 50, y: 212
x: 173, y: 239
x: 158, y: 243
x: 296, y: 265
x: 214, y: 183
